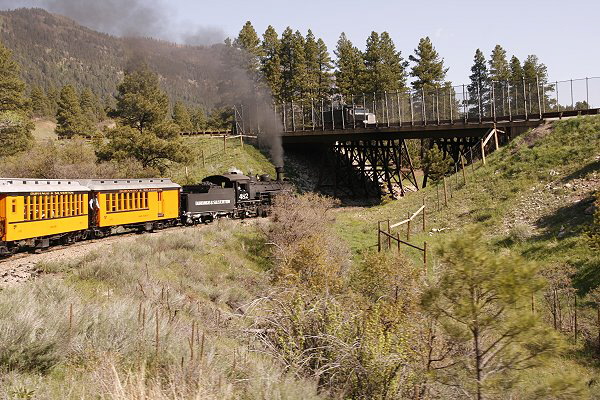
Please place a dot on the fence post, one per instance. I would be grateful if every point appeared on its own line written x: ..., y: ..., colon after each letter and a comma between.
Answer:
x: 408, y: 227
x: 389, y: 231
x: 445, y: 193
x: 425, y: 256
x: 482, y: 152
x: 424, y: 208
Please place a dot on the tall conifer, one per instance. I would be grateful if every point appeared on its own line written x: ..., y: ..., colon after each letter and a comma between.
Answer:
x: 479, y: 88
x: 350, y: 67
x: 428, y: 68
x: 271, y: 62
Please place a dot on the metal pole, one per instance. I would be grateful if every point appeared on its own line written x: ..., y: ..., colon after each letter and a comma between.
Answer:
x: 525, y: 98
x: 375, y: 111
x: 399, y: 108
x: 423, y: 106
x: 312, y: 113
x: 587, y: 94
x: 557, y: 102
x: 451, y: 105
x: 572, y: 102
x: 530, y: 102
x: 302, y: 110
x: 437, y: 104
x: 493, y: 102
x: 465, y: 111
x: 387, y: 109
x: 353, y: 113
x: 508, y: 95
x: 537, y: 81
x: 479, y: 98
x: 322, y: 114
x: 293, y: 117
x: 412, y: 112
x: 332, y: 115
x: 284, y: 119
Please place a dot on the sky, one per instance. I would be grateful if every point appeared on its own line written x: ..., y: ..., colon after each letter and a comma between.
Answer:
x: 564, y: 35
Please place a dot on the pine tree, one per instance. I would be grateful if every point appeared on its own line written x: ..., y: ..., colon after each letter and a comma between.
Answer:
x: 350, y: 71
x: 325, y: 67
x: 141, y: 103
x: 516, y: 71
x: 271, y: 62
x: 536, y: 73
x: 482, y: 301
x: 198, y: 118
x: 90, y: 105
x: 249, y: 41
x: 384, y: 65
x: 142, y: 132
x: 181, y: 117
x: 499, y: 69
x: 516, y: 89
x: 428, y: 68
x: 312, y: 65
x: 39, y: 102
x: 479, y: 88
x: 293, y: 65
x: 15, y: 123
x: 70, y: 119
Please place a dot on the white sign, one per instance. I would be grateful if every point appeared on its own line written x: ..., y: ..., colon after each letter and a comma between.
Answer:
x: 212, y: 202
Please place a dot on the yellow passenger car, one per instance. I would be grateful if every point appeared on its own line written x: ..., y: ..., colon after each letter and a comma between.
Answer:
x: 35, y: 212
x: 143, y: 203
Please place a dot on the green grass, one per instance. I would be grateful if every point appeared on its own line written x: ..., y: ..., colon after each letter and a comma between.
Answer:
x: 518, y: 179
x: 246, y: 158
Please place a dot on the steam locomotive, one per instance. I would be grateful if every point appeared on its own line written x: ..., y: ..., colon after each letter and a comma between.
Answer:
x: 38, y: 213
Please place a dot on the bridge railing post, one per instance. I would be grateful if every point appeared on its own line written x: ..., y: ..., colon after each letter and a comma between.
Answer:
x: 587, y: 93
x: 509, y: 102
x: 557, y: 101
x: 353, y: 113
x: 399, y: 99
x: 412, y: 111
x: 493, y: 102
x: 572, y: 101
x: 423, y: 107
x: 537, y: 83
x: 524, y: 98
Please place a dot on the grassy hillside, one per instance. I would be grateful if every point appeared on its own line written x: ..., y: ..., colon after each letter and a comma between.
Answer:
x: 531, y: 197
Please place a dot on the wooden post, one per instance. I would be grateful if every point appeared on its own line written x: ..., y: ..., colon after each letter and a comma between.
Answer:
x: 408, y: 227
x: 483, y: 152
x: 462, y: 164
x: 379, y: 236
x: 437, y: 189
x: 389, y: 231
x: 445, y: 193
x: 241, y: 140
x: 496, y: 138
x: 425, y: 256
x: 424, y: 208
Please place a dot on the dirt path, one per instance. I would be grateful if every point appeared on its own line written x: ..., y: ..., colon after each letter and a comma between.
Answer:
x: 23, y: 266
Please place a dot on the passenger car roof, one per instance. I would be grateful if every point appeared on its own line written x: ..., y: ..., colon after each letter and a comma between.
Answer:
x: 127, y: 184
x: 14, y: 185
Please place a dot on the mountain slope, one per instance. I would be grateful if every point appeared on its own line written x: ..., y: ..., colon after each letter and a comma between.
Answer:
x: 54, y: 50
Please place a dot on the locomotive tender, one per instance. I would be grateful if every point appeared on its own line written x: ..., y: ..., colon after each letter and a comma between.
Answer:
x: 36, y: 213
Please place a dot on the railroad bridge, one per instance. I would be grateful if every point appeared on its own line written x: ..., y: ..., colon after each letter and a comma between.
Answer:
x: 362, y: 140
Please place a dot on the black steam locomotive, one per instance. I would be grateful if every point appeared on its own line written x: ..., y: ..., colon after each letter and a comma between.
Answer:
x: 232, y: 195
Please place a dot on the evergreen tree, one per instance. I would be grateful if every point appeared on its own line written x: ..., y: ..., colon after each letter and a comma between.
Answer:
x: 428, y: 68
x: 198, y: 118
x: 384, y: 65
x: 499, y: 69
x: 325, y: 67
x: 40, y: 106
x: 53, y: 97
x: 70, y: 119
x: 182, y: 118
x: 482, y: 301
x: 142, y: 132
x: 435, y: 165
x: 312, y: 65
x: 15, y: 124
x: 516, y: 89
x: 293, y: 65
x: 271, y: 62
x: 536, y: 73
x: 249, y: 42
x: 90, y: 105
x: 479, y: 88
x: 141, y: 103
x: 350, y: 67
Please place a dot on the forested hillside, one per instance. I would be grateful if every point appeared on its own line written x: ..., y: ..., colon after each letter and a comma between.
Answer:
x: 54, y: 51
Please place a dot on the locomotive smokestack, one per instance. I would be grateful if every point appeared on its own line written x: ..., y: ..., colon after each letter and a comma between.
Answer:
x: 279, y: 171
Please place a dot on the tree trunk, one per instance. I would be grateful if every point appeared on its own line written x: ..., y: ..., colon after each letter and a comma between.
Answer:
x: 477, y: 361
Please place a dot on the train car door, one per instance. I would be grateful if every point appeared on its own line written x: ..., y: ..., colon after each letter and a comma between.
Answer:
x: 161, y: 204
x: 3, y: 207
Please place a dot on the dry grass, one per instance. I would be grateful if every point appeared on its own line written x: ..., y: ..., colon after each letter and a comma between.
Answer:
x: 118, y: 325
